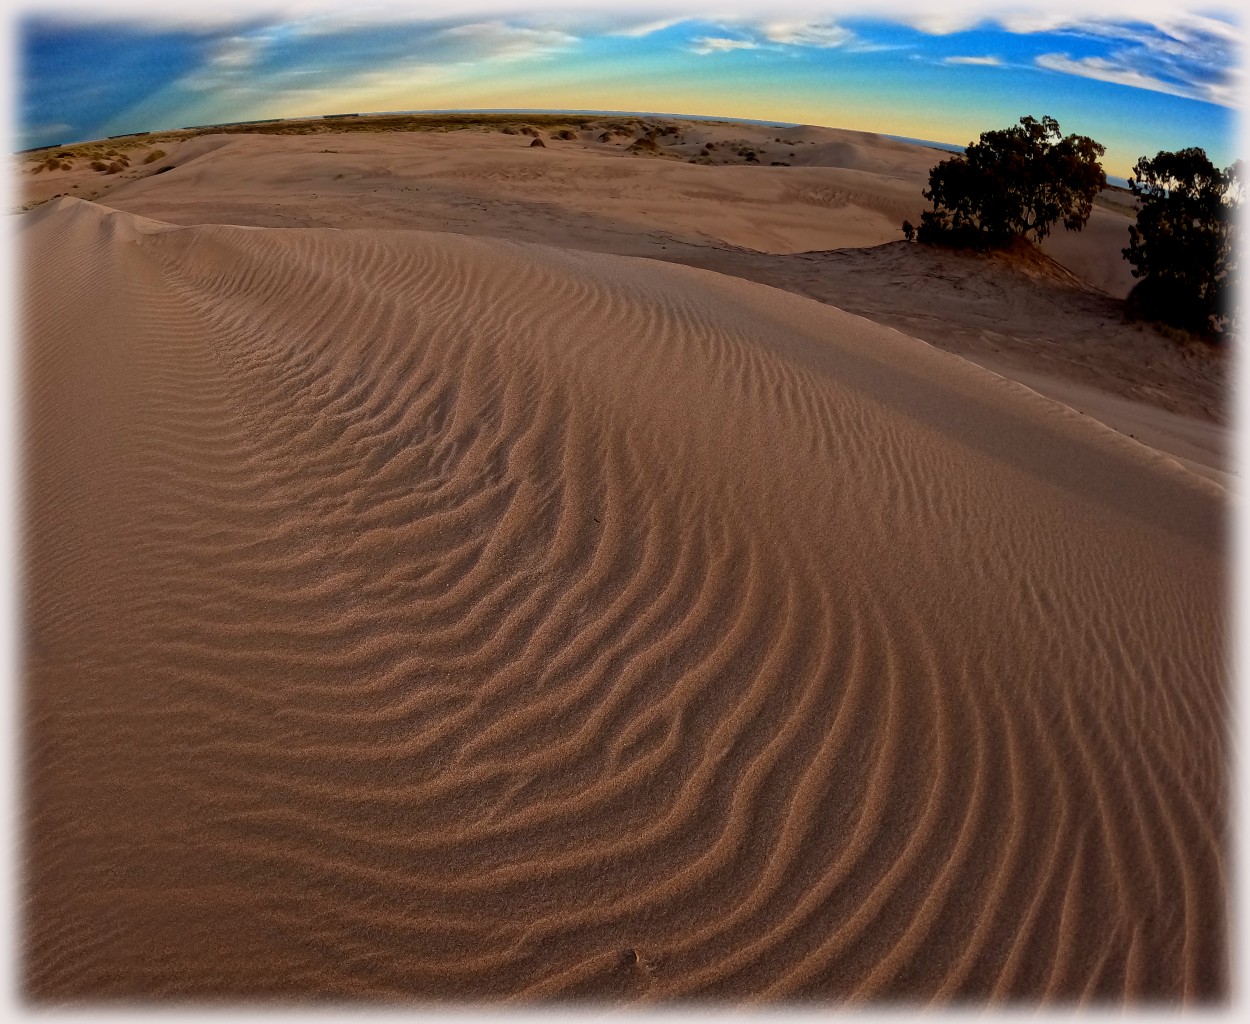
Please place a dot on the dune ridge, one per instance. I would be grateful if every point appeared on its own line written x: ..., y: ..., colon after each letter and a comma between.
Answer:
x: 414, y: 616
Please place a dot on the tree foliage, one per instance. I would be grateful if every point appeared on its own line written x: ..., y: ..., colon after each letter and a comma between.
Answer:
x: 1182, y: 244
x: 1013, y: 183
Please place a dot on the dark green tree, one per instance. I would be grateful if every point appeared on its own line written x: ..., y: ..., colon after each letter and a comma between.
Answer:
x: 1013, y: 183
x: 1182, y: 244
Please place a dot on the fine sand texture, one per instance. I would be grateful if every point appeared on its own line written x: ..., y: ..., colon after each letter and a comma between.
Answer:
x: 816, y: 211
x: 796, y: 190
x: 850, y: 188
x: 414, y: 616
x: 1023, y: 315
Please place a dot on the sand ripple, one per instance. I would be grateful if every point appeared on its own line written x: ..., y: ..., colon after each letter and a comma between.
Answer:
x: 416, y: 616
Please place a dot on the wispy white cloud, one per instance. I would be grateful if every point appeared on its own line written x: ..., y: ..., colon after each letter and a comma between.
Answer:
x: 952, y: 15
x: 229, y: 63
x: 1178, y: 19
x: 942, y: 22
x: 236, y: 65
x: 989, y: 62
x: 860, y: 45
x: 1104, y: 69
x: 382, y: 89
x: 720, y: 44
x: 291, y: 93
x: 1167, y: 48
x: 1194, y: 56
x: 647, y: 28
x: 1159, y: 45
x: 498, y: 40
x: 775, y: 35
x: 273, y: 70
x: 800, y: 33
x: 237, y: 52
x: 1195, y: 22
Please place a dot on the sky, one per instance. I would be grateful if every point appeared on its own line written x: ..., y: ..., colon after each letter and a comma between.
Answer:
x: 1138, y: 77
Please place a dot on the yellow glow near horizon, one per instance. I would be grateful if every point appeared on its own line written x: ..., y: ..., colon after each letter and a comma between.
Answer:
x: 445, y: 88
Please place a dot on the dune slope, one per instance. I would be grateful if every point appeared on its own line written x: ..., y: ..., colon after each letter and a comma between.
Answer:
x: 417, y: 616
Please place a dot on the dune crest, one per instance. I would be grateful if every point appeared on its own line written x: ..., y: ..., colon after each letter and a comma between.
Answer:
x: 415, y: 616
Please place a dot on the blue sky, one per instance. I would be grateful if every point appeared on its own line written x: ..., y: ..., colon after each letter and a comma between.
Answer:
x: 1137, y: 77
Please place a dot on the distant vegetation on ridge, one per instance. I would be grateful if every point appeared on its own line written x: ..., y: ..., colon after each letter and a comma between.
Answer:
x: 1013, y: 185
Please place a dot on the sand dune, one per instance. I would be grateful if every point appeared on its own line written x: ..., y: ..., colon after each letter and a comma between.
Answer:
x: 826, y: 226
x: 838, y: 189
x: 810, y: 227
x: 496, y: 184
x: 1020, y: 314
x: 411, y: 615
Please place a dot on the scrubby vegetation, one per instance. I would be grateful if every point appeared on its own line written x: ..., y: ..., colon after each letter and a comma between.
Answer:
x: 1015, y: 183
x: 155, y: 155
x: 1013, y: 186
x: 1182, y: 246
x: 53, y: 163
x: 646, y: 146
x: 610, y: 129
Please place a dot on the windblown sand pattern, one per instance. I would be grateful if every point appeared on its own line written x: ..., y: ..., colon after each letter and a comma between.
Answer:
x: 417, y: 616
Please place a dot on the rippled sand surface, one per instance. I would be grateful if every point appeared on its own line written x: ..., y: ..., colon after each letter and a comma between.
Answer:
x: 414, y: 616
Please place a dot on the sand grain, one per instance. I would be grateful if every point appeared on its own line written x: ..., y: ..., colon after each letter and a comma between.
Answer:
x: 420, y: 616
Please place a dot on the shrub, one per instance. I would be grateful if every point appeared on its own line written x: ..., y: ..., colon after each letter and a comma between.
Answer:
x: 155, y: 155
x: 1182, y: 244
x: 909, y: 231
x: 98, y: 165
x: 114, y: 167
x: 645, y: 146
x: 1011, y: 184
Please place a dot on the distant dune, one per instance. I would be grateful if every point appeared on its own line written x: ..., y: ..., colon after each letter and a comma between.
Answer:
x: 410, y: 615
x: 802, y: 208
x: 837, y: 188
